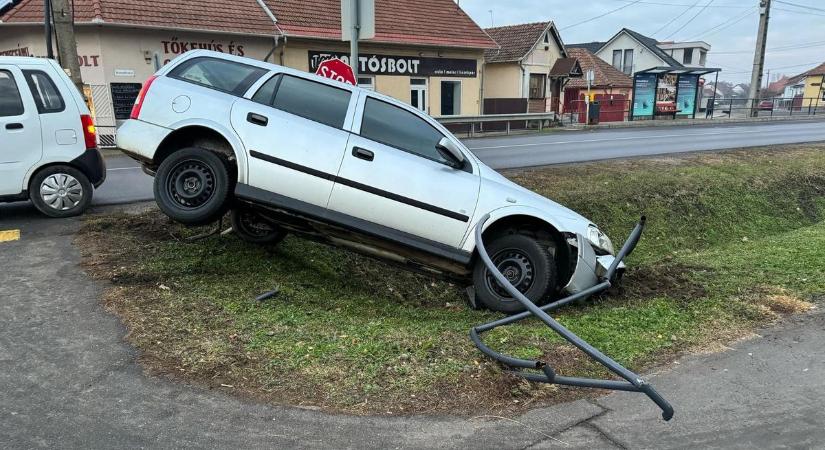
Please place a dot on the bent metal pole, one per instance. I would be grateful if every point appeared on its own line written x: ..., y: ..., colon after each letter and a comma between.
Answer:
x: 632, y: 383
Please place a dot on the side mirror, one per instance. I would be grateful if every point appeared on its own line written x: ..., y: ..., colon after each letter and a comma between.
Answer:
x: 451, y: 153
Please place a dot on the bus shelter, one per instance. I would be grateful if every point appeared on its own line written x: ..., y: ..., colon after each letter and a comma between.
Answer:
x: 672, y: 92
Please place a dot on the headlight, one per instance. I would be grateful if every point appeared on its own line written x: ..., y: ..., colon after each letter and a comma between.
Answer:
x: 599, y: 239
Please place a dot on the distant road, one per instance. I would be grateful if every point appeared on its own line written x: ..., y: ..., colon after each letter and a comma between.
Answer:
x: 127, y: 183
x: 577, y: 146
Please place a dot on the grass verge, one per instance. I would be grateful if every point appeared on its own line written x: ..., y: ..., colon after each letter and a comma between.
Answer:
x: 734, y: 241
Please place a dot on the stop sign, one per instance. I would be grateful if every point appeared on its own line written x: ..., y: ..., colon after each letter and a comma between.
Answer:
x: 337, y: 70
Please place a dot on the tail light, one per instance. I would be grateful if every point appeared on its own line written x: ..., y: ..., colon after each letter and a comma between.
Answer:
x: 139, y: 100
x: 89, y: 131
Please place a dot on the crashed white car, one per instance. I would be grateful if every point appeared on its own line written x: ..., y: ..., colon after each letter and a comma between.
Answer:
x: 290, y: 152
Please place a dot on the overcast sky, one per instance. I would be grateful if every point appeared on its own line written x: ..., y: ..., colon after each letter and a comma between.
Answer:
x: 802, y: 27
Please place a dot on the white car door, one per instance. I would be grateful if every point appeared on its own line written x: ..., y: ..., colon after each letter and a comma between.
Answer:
x: 392, y: 175
x: 21, y: 145
x: 294, y: 131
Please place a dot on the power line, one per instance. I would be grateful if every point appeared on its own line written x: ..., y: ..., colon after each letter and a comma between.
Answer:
x: 676, y: 18
x: 782, y: 48
x: 800, y: 6
x: 777, y: 68
x: 686, y: 4
x: 724, y: 25
x: 691, y: 19
x: 807, y: 13
x: 599, y: 16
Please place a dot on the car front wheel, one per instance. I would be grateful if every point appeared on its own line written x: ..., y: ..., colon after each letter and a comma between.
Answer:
x: 525, y: 262
x: 192, y: 186
x: 60, y: 191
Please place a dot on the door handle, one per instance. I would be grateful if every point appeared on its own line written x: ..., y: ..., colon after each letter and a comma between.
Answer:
x: 257, y: 119
x: 362, y: 153
x: 14, y: 126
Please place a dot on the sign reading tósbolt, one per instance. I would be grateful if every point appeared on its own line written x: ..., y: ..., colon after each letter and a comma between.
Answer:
x: 337, y: 70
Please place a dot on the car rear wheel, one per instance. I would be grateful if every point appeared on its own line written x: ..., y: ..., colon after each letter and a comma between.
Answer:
x: 252, y: 227
x: 525, y: 262
x: 60, y: 191
x: 192, y: 186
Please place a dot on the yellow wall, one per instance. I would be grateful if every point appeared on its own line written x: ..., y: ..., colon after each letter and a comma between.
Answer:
x: 502, y: 80
x: 813, y: 84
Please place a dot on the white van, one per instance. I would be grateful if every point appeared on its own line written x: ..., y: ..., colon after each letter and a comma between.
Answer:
x: 48, y: 148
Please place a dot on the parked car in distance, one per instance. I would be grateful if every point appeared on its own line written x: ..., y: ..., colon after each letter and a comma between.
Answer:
x: 291, y: 152
x: 765, y: 105
x: 48, y: 150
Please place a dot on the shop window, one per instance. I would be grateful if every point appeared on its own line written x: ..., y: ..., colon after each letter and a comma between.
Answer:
x: 538, y: 86
x: 367, y: 83
x: 628, y: 61
x: 393, y: 126
x: 45, y: 93
x: 226, y: 76
x: 308, y: 99
x: 617, y: 59
x: 10, y: 102
x: 450, y: 98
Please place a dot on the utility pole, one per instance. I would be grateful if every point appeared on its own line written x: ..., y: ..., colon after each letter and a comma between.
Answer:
x: 63, y: 18
x: 759, y: 54
x: 353, y: 42
x: 47, y: 22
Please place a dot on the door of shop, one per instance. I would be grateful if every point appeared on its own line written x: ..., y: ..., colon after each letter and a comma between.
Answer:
x: 418, y: 93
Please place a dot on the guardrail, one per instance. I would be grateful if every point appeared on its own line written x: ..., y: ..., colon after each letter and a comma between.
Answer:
x: 494, y: 122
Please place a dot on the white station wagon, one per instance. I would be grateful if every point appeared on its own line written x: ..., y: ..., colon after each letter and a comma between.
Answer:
x: 288, y: 151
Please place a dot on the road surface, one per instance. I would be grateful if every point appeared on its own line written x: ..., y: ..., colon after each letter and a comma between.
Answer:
x: 126, y: 182
x: 577, y: 146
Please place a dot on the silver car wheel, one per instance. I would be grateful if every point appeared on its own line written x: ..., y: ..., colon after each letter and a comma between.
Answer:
x: 61, y: 191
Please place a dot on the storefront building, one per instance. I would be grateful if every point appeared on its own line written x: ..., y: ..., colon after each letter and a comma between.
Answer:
x: 433, y: 62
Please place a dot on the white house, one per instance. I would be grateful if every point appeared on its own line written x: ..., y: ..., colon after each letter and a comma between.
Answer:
x: 632, y: 52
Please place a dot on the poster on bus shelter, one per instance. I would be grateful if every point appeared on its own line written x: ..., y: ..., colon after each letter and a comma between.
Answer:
x: 644, y: 94
x: 686, y: 100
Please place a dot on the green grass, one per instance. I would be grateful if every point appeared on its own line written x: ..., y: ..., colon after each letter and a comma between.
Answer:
x: 733, y: 241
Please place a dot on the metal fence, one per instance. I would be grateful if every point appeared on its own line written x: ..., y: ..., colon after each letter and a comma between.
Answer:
x: 503, y: 123
x: 772, y: 107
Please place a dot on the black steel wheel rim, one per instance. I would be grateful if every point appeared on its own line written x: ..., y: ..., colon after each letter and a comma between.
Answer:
x: 191, y: 184
x: 516, y: 266
x: 252, y: 224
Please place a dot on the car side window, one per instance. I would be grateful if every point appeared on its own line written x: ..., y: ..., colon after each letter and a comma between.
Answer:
x: 396, y: 127
x: 219, y: 74
x: 309, y: 99
x: 10, y: 102
x: 45, y: 93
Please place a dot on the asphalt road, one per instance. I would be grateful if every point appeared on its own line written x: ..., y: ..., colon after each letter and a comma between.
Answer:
x: 126, y: 183
x: 68, y: 380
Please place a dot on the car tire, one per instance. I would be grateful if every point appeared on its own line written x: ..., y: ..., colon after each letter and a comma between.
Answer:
x: 251, y: 227
x: 526, y: 262
x: 60, y: 191
x: 192, y: 186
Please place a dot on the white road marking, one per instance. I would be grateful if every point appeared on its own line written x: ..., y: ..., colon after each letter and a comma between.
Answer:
x: 122, y: 168
x: 628, y: 138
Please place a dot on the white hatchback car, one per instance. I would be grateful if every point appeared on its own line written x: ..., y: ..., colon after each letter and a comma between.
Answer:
x: 289, y: 151
x: 48, y: 148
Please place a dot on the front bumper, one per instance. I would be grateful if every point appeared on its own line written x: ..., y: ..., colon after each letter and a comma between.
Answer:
x: 92, y: 165
x: 590, y: 268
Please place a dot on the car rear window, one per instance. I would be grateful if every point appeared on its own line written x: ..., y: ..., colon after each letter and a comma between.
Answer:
x: 10, y: 102
x: 309, y: 99
x: 45, y: 93
x: 226, y: 76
